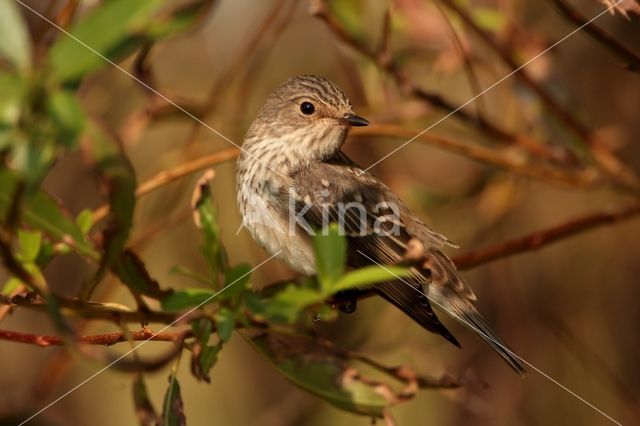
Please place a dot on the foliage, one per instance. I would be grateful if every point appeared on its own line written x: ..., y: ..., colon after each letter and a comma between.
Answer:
x: 42, y: 120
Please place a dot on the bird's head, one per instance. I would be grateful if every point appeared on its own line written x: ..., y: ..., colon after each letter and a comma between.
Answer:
x: 307, y: 115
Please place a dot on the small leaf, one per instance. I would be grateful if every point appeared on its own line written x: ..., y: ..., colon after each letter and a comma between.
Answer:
x: 203, y: 358
x: 369, y: 275
x: 331, y: 250
x: 145, y: 411
x: 255, y: 304
x: 108, y: 31
x: 319, y: 370
x: 179, y: 20
x: 42, y: 212
x: 489, y: 19
x: 47, y: 252
x: 236, y: 281
x: 132, y: 271
x: 185, y: 272
x: 350, y: 14
x: 14, y: 36
x: 14, y: 92
x: 11, y: 285
x: 117, y: 172
x: 287, y: 305
x: 85, y: 220
x: 173, y: 407
x: 205, y: 217
x: 202, y: 330
x: 225, y: 323
x: 29, y: 245
x: 188, y: 298
x: 67, y: 116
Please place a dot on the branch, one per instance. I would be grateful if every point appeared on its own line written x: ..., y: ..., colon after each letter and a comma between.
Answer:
x: 93, y: 310
x: 552, y: 152
x: 599, y: 35
x: 108, y: 339
x: 167, y: 176
x: 536, y: 240
x: 240, y: 61
x: 619, y: 173
x: 582, y: 178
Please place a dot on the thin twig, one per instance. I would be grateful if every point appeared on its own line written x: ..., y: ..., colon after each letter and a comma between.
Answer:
x: 624, y: 177
x: 223, y: 81
x: 93, y: 310
x: 631, y: 58
x: 472, y: 77
x: 107, y: 339
x: 505, y: 160
x: 539, y: 239
x: 167, y: 176
x: 548, y: 151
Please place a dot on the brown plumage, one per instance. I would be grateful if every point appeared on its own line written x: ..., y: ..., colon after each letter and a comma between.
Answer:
x: 292, y: 178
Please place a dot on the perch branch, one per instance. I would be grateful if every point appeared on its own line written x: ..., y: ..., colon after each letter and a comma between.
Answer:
x: 585, y: 177
x: 537, y: 240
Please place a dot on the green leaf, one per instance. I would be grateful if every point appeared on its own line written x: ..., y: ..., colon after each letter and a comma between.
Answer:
x: 173, y: 407
x: 84, y: 220
x: 203, y: 358
x: 185, y: 272
x: 116, y: 170
x: 488, y: 18
x: 208, y: 358
x: 318, y: 370
x: 145, y: 411
x: 11, y: 285
x: 225, y: 323
x: 29, y: 245
x: 14, y: 93
x: 331, y: 250
x: 188, y: 298
x: 369, y: 275
x: 42, y: 212
x: 254, y: 303
x: 104, y: 33
x: 236, y: 281
x: 181, y: 19
x: 67, y: 116
x: 132, y: 271
x: 14, y: 36
x: 202, y: 330
x: 206, y: 219
x: 350, y: 14
x: 288, y: 304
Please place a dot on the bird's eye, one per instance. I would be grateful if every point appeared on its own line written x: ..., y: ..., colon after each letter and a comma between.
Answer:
x: 307, y: 108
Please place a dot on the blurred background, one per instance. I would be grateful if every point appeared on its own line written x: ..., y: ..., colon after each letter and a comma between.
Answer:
x: 569, y: 309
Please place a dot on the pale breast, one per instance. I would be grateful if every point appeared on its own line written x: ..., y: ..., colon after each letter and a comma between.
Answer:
x: 267, y: 221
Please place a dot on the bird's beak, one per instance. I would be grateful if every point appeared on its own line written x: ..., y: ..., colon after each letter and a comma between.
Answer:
x: 355, y: 120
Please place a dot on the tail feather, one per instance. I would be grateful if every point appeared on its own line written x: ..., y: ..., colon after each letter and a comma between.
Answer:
x: 473, y: 320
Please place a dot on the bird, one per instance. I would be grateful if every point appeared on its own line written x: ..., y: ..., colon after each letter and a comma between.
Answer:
x: 292, y: 178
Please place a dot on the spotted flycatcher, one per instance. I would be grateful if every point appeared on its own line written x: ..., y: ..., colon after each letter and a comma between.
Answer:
x: 293, y: 179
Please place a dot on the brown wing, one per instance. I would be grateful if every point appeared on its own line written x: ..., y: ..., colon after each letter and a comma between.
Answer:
x: 363, y: 207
